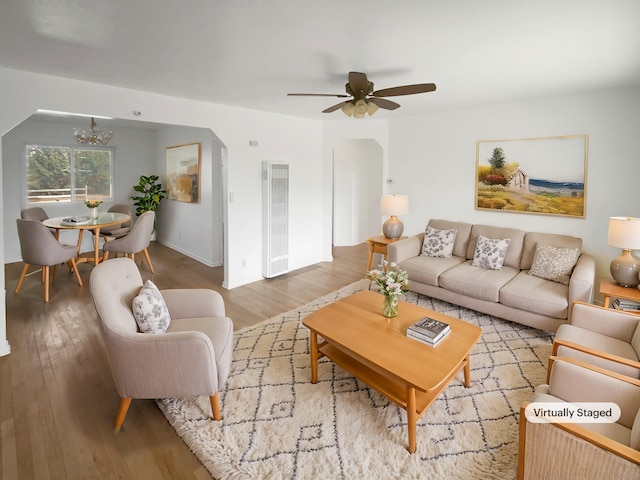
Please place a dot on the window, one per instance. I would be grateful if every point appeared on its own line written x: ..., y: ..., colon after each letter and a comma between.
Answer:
x: 68, y: 174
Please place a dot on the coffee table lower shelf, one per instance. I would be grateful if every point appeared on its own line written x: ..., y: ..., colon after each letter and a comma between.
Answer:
x: 413, y: 400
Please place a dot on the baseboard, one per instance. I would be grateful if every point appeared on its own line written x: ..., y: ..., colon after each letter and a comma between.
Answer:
x: 189, y: 254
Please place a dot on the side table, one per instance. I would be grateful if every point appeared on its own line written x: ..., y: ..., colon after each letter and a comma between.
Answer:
x: 609, y: 288
x: 378, y: 244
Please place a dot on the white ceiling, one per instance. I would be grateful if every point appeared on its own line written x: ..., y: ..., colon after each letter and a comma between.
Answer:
x: 250, y: 53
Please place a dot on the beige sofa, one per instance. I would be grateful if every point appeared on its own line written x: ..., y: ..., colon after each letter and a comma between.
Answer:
x: 510, y: 292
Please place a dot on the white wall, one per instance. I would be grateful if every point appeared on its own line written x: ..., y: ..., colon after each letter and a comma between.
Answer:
x: 335, y: 131
x: 357, y: 188
x: 432, y: 158
x: 194, y: 229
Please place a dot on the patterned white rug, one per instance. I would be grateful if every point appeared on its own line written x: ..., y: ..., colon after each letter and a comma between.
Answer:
x: 277, y: 425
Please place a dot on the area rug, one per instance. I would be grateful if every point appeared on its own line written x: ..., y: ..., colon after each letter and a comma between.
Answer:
x: 278, y: 425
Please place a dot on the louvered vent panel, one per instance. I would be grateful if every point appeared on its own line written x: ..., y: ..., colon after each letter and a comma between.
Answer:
x: 275, y: 196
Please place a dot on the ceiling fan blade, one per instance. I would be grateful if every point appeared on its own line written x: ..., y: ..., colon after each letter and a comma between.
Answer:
x: 405, y: 90
x: 339, y: 95
x: 358, y: 82
x: 338, y: 106
x: 383, y: 103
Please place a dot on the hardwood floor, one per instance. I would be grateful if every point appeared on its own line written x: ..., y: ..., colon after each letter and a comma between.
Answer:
x: 57, y: 398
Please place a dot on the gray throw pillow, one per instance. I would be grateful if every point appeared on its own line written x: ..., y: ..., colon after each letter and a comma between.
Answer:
x: 490, y: 253
x: 438, y: 243
x: 554, y: 263
x: 150, y: 310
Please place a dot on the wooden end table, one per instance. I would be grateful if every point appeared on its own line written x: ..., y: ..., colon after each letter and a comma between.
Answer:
x: 357, y: 337
x: 378, y: 244
x: 610, y: 288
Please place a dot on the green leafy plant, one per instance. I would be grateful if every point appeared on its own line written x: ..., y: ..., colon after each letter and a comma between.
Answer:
x: 152, y: 194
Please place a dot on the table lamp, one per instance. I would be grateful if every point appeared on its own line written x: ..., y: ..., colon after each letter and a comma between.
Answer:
x: 393, y: 205
x: 624, y: 232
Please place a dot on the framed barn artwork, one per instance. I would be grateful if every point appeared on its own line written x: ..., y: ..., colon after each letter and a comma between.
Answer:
x: 546, y: 175
x: 183, y: 172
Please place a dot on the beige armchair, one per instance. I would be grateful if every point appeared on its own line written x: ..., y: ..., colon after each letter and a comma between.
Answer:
x: 593, y: 451
x: 136, y: 241
x: 601, y: 336
x: 39, y: 247
x: 191, y: 358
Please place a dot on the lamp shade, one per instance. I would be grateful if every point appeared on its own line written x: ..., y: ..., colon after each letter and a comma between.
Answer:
x: 394, y: 204
x: 624, y: 232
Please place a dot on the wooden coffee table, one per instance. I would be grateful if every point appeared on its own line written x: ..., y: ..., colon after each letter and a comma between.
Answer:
x: 375, y: 349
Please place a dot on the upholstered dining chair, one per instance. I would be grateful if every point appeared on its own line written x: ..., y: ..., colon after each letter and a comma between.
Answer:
x: 136, y: 241
x: 36, y: 213
x: 40, y: 248
x: 117, y: 231
x: 191, y: 358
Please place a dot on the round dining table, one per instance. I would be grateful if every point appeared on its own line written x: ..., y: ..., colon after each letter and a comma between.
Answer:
x: 82, y: 223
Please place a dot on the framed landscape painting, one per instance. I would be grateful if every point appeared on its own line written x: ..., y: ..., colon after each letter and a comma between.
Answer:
x: 544, y: 175
x: 183, y: 172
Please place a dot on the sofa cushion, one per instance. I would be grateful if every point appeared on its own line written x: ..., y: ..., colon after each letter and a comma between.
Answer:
x: 534, y: 294
x: 515, y: 246
x: 438, y: 243
x: 555, y: 264
x: 463, y: 234
x: 476, y: 282
x: 150, y: 310
x: 428, y: 269
x: 490, y: 252
x: 531, y: 240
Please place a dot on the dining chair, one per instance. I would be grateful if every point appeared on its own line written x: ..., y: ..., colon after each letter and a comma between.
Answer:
x: 40, y: 248
x: 136, y: 241
x: 193, y: 355
x: 117, y: 231
x: 36, y: 213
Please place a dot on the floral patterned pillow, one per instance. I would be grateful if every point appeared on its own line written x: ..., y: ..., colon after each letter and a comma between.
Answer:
x: 553, y: 263
x: 150, y: 310
x: 438, y: 243
x: 490, y: 252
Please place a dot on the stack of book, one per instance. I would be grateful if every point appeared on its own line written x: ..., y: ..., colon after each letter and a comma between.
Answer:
x: 629, y: 305
x: 428, y: 330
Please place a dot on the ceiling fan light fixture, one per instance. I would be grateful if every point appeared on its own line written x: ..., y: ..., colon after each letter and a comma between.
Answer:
x: 372, y: 108
x: 348, y: 108
x: 361, y: 107
x: 358, y: 115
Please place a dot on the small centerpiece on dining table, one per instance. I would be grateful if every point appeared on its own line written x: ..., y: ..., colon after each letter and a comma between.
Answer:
x: 393, y: 283
x: 93, y: 205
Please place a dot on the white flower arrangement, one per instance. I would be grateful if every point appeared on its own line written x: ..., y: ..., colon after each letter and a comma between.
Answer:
x: 391, y: 280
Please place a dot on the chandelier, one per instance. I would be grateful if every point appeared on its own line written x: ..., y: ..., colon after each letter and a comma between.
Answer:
x: 94, y: 136
x: 358, y: 108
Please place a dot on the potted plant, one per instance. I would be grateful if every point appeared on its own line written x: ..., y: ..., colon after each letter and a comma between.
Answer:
x: 152, y: 195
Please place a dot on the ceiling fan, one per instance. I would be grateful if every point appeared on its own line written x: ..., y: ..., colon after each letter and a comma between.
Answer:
x: 364, y: 99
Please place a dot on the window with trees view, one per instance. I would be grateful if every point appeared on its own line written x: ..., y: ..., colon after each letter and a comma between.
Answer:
x: 67, y: 174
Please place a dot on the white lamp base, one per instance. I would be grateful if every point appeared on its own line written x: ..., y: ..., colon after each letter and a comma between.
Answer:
x: 625, y: 269
x: 392, y: 228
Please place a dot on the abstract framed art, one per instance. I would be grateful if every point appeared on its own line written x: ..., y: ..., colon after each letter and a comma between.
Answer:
x: 546, y: 175
x: 183, y: 172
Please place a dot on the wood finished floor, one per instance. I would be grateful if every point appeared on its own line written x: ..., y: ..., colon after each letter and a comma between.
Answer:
x: 57, y: 398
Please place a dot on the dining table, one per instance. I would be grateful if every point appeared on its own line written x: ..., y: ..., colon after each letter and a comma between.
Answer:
x: 82, y: 223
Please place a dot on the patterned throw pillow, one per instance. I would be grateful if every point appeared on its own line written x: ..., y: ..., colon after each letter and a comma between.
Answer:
x: 438, y: 243
x: 490, y: 253
x: 553, y: 263
x: 150, y: 310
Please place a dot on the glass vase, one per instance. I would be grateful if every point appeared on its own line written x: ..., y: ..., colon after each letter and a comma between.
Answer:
x: 390, y: 306
x: 93, y: 212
